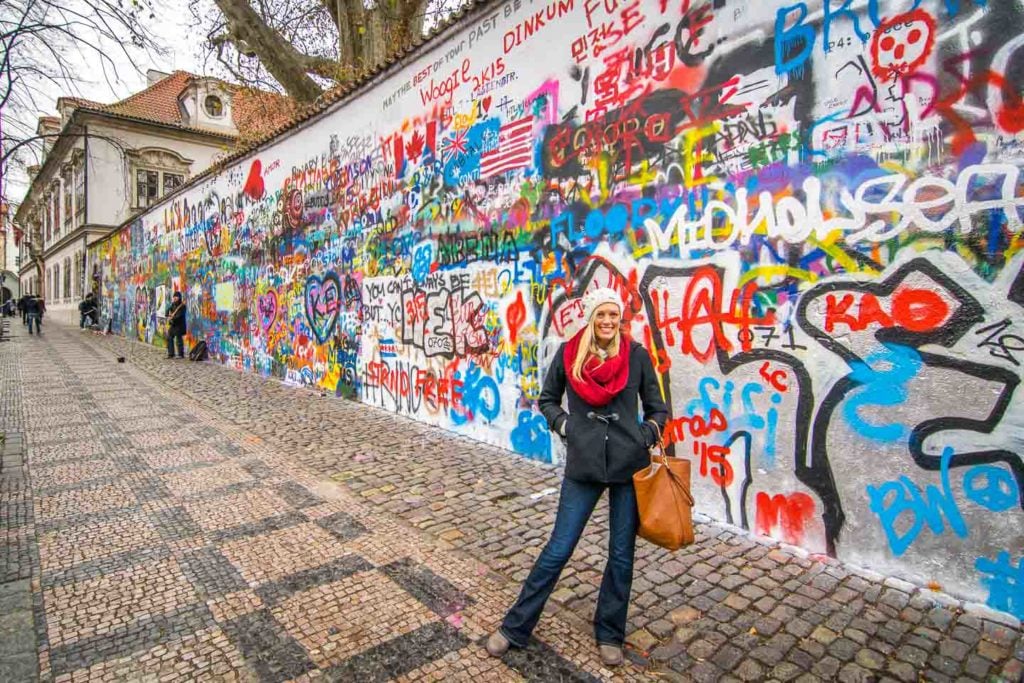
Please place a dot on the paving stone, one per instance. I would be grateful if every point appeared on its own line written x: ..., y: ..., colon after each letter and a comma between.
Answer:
x: 977, y: 667
x: 684, y: 615
x: 844, y: 648
x: 853, y: 673
x: 954, y: 649
x: 705, y: 672
x: 728, y: 657
x: 749, y: 670
x: 261, y: 563
x: 785, y: 671
x: 827, y: 667
x: 946, y: 665
x: 870, y: 659
x: 902, y: 671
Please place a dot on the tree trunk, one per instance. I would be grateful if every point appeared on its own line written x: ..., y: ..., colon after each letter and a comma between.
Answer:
x: 286, y: 64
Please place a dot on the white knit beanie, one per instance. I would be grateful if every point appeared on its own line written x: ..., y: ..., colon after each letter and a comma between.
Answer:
x: 597, y: 297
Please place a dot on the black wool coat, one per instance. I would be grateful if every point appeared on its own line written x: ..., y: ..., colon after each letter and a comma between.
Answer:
x: 176, y: 319
x: 608, y: 444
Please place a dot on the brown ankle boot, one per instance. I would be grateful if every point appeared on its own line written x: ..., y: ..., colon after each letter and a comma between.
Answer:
x: 611, y: 655
x: 497, y: 644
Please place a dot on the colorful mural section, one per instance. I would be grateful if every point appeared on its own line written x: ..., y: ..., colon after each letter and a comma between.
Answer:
x: 812, y: 210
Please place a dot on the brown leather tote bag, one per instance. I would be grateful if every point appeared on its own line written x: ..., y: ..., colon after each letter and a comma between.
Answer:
x: 664, y: 501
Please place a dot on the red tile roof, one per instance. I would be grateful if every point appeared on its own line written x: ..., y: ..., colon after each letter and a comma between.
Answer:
x: 254, y: 112
x: 158, y: 102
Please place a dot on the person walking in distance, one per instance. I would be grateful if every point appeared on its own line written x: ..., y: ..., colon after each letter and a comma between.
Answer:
x: 603, y: 372
x: 34, y: 308
x: 176, y: 326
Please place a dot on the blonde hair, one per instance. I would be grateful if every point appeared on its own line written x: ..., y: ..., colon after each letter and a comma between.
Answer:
x: 588, y: 346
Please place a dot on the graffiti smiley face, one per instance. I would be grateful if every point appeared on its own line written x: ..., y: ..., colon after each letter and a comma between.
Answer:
x: 293, y: 209
x: 902, y: 44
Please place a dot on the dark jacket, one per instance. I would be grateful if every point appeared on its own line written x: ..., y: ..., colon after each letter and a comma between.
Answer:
x: 600, y: 447
x: 34, y: 306
x: 176, y: 319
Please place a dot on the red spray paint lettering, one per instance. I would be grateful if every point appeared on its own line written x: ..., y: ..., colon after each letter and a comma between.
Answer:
x: 703, y: 316
x: 785, y: 514
x: 916, y: 310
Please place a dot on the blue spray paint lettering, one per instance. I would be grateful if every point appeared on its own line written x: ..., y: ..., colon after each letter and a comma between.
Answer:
x: 1005, y: 583
x: 787, y: 38
x: 480, y: 396
x: 892, y: 499
x: 531, y: 437
x: 746, y: 417
x: 881, y: 386
x: 422, y: 260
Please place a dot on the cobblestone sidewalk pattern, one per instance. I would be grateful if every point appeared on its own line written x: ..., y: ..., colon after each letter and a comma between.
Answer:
x: 150, y: 539
x: 730, y: 607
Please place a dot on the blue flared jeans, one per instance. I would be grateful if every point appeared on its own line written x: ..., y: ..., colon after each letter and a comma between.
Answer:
x: 575, y: 505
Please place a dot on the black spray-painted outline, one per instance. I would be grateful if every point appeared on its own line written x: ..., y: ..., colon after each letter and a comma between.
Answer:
x: 818, y: 475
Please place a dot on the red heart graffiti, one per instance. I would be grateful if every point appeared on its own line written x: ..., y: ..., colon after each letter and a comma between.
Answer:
x: 254, y: 183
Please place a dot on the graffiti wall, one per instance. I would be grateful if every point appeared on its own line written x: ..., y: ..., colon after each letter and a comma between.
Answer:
x: 813, y: 212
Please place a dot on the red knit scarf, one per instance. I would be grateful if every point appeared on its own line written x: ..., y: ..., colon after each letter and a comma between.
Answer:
x: 601, y: 380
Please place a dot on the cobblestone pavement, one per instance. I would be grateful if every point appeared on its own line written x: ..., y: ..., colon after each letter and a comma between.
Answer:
x: 730, y: 607
x: 157, y: 541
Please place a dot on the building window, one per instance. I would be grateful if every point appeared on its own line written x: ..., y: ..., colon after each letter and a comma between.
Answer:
x: 55, y: 283
x: 151, y: 185
x: 66, y: 193
x: 80, y: 194
x: 214, y: 106
x: 147, y: 185
x: 172, y: 181
x: 79, y: 274
x: 55, y: 198
x: 67, y: 278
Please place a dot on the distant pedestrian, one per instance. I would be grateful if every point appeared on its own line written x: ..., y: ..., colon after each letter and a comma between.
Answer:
x: 176, y: 326
x: 23, y: 307
x: 603, y: 371
x: 34, y: 309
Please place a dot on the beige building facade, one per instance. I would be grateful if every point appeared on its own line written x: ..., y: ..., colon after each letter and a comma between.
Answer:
x: 104, y: 163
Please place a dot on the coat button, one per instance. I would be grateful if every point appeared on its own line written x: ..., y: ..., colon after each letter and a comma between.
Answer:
x: 605, y: 437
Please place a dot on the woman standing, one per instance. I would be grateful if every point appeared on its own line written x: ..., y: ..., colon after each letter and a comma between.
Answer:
x: 603, y: 372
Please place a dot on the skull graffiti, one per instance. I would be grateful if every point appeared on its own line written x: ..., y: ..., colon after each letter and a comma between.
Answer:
x: 902, y: 44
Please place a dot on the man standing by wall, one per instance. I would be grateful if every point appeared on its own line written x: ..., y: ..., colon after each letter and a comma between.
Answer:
x: 176, y: 326
x: 88, y: 309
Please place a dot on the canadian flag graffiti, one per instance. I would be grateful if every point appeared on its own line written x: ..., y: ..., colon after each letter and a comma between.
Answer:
x: 414, y: 146
x: 514, y: 149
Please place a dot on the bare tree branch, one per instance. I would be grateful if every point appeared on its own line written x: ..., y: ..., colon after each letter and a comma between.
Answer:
x: 298, y: 44
x: 43, y: 47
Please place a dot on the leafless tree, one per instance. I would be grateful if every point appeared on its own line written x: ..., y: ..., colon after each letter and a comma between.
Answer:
x: 45, y: 45
x: 308, y: 46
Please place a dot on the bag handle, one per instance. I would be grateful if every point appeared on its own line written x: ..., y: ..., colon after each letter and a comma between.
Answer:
x: 664, y: 460
x: 660, y: 443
